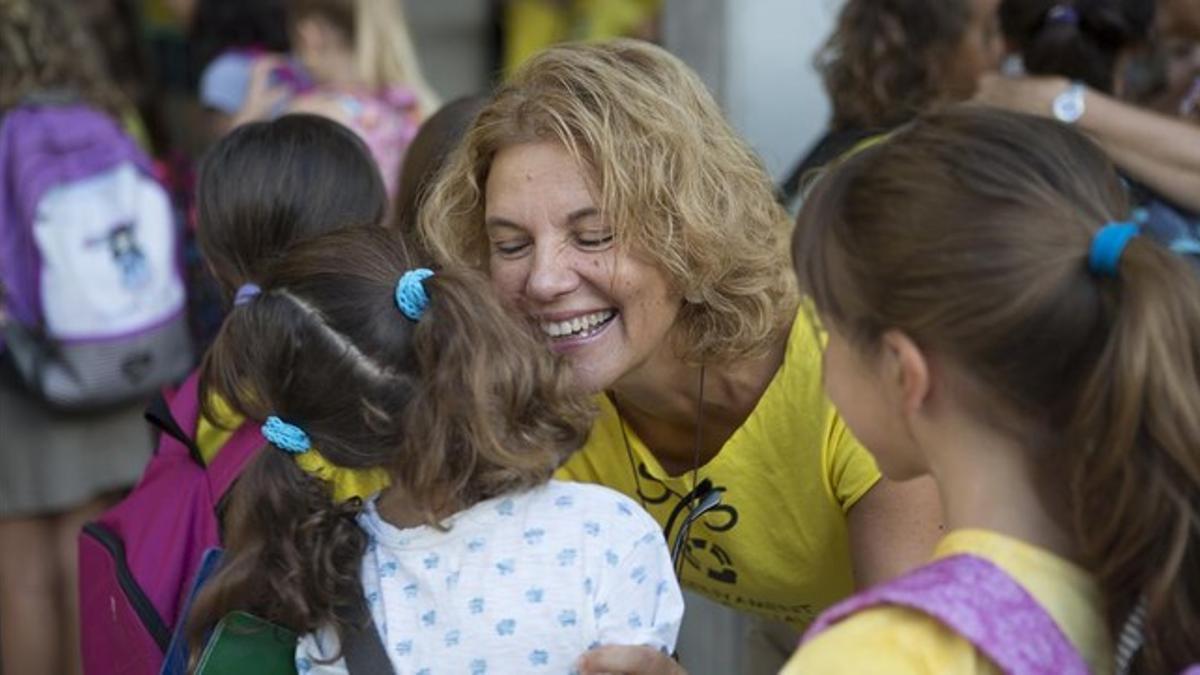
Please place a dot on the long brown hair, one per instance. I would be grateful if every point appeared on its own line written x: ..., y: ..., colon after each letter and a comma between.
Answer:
x: 461, y: 406
x: 970, y: 232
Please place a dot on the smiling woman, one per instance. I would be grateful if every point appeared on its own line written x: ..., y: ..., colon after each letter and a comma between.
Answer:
x: 610, y: 202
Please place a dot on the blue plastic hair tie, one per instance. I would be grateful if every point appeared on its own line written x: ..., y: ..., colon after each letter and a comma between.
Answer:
x: 1063, y: 14
x: 246, y: 293
x: 1107, y: 246
x: 287, y: 437
x: 410, y: 293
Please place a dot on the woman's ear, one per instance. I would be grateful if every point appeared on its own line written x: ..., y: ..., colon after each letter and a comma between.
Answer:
x: 906, y: 369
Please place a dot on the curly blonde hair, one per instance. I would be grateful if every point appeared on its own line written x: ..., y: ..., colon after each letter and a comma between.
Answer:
x: 668, y: 173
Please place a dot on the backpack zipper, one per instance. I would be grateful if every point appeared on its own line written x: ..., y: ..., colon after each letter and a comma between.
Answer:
x: 133, y: 592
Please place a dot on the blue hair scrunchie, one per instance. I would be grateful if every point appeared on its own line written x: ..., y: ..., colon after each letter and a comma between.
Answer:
x: 1107, y: 246
x: 246, y: 293
x: 410, y: 293
x: 287, y: 437
x: 1063, y: 13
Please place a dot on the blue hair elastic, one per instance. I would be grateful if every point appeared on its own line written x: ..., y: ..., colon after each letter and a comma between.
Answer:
x: 410, y: 293
x: 1108, y: 245
x: 287, y: 437
x: 246, y: 293
x: 1063, y: 14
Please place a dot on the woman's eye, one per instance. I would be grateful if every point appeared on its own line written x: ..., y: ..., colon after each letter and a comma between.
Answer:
x: 509, y: 248
x: 595, y: 240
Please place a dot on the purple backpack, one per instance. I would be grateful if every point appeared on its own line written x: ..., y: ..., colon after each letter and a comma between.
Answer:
x: 91, y: 298
x: 979, y: 601
x: 138, y: 561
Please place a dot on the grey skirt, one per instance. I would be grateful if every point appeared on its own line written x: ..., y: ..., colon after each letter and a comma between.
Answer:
x: 52, y: 462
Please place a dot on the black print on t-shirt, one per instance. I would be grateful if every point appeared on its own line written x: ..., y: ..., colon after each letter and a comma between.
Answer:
x: 701, y: 553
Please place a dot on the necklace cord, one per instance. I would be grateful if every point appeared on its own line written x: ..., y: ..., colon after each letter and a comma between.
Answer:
x: 694, y: 495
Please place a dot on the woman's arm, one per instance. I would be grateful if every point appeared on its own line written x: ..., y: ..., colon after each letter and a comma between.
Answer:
x: 893, y: 529
x: 1161, y: 152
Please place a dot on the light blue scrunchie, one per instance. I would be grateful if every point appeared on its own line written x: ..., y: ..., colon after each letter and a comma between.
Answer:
x: 246, y: 293
x: 1107, y: 246
x: 410, y: 293
x: 287, y: 437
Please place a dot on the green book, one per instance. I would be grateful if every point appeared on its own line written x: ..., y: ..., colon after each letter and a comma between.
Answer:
x: 244, y: 643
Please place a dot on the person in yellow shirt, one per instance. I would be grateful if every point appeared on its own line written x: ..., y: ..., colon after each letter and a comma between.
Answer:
x: 995, y: 321
x: 611, y: 203
x: 533, y: 25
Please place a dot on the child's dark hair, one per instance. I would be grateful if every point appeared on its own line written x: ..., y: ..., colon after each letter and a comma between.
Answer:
x: 1081, y: 40
x: 219, y: 25
x: 886, y: 59
x: 268, y: 185
x: 970, y: 232
x: 460, y: 406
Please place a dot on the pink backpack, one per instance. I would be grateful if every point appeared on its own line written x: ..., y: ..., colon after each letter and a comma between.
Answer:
x: 138, y: 561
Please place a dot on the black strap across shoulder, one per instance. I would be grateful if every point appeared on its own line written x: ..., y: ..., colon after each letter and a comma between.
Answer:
x: 364, y: 651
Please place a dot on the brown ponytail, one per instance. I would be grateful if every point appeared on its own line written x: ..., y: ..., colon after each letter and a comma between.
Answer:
x: 969, y: 231
x: 1136, y: 482
x: 462, y: 405
x: 292, y: 555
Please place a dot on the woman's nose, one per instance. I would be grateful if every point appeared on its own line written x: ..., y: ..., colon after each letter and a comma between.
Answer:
x: 552, y: 274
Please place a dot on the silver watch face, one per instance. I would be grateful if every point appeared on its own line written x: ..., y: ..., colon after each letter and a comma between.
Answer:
x: 1068, y: 106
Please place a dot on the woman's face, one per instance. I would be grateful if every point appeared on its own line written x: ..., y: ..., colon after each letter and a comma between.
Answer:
x: 552, y: 255
x: 981, y: 50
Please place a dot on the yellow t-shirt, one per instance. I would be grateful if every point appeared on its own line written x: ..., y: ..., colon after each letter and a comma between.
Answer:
x: 900, y: 641
x: 777, y: 546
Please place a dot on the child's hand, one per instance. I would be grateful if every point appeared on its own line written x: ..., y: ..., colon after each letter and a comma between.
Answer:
x: 263, y: 94
x: 628, y: 660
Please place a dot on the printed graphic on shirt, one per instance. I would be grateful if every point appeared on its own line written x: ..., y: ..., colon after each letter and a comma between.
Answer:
x: 524, y: 583
x: 691, y: 535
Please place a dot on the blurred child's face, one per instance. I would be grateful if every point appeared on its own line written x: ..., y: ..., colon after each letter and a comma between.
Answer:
x: 980, y: 51
x: 551, y: 254
x: 320, y: 47
x: 861, y: 387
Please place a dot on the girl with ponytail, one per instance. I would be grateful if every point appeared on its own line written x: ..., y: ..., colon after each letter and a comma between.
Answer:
x: 364, y: 72
x: 995, y: 321
x: 470, y: 559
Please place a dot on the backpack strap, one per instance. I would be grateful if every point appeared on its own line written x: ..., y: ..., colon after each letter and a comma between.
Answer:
x: 173, y: 417
x: 178, y: 419
x: 364, y: 651
x: 976, y: 599
x: 158, y: 414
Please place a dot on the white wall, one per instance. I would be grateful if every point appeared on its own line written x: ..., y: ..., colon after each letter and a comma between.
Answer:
x: 756, y: 56
x: 773, y: 95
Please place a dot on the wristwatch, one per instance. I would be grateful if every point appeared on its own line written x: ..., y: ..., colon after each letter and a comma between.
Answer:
x: 1069, y: 105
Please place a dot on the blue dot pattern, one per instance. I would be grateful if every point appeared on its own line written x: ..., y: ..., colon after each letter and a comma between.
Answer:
x: 522, y: 583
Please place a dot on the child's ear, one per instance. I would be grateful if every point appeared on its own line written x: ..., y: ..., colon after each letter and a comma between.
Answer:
x: 906, y: 368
